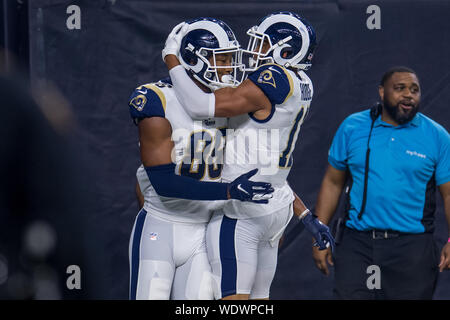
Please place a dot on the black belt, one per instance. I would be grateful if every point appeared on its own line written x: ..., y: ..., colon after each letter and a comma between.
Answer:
x: 380, y: 234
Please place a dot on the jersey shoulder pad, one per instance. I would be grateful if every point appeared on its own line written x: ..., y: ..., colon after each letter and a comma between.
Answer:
x: 275, y: 81
x: 147, y: 101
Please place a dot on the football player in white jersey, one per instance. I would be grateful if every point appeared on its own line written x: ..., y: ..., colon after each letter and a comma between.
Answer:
x: 242, y: 239
x: 179, y: 164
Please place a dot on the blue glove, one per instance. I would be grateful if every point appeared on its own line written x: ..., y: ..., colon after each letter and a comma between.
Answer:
x: 319, y: 231
x: 245, y: 190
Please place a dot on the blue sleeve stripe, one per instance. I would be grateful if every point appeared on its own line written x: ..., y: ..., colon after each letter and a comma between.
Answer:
x: 272, y: 111
x: 285, y: 157
x: 135, y: 252
x: 228, y: 256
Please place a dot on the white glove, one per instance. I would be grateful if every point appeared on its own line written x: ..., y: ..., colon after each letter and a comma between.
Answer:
x: 173, y: 41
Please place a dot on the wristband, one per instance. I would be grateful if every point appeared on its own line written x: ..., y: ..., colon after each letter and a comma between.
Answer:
x: 303, y: 214
x: 448, y: 241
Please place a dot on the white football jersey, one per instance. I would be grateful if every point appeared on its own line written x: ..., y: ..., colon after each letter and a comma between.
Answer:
x: 268, y: 144
x: 197, y: 154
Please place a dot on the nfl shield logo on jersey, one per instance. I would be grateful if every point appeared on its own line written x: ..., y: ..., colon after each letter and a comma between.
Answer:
x: 153, y: 236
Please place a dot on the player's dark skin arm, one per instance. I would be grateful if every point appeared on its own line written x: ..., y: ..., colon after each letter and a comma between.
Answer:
x: 155, y: 140
x: 299, y: 206
x: 155, y: 146
x: 245, y: 98
x: 445, y: 254
x: 327, y: 201
x: 230, y: 102
x: 155, y: 137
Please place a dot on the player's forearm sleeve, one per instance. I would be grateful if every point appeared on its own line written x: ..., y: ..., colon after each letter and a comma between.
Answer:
x: 169, y: 184
x: 198, y: 104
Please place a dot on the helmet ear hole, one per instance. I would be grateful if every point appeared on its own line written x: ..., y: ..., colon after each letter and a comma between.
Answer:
x: 187, y: 52
x: 192, y: 60
x: 286, y: 53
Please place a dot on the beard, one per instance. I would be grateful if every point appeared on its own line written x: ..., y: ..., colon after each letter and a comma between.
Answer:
x: 398, y: 114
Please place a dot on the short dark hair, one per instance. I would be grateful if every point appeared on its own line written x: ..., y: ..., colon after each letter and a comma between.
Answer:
x: 388, y: 74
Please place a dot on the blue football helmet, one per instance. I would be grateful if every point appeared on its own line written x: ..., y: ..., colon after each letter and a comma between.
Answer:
x: 291, y: 40
x: 205, y: 39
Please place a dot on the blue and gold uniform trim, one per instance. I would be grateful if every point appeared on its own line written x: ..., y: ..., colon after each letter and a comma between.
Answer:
x: 158, y: 92
x: 291, y: 84
x: 147, y: 101
x: 276, y: 83
x: 286, y: 160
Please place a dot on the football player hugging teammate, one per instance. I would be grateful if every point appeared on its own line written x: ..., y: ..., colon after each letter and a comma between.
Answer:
x: 265, y: 114
x: 180, y: 175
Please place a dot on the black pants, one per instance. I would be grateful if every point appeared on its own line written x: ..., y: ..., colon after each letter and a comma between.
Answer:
x: 403, y: 267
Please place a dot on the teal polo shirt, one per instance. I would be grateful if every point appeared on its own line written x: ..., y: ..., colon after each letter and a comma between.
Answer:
x: 406, y: 164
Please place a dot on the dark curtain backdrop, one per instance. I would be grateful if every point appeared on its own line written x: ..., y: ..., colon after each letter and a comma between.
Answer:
x: 119, y: 47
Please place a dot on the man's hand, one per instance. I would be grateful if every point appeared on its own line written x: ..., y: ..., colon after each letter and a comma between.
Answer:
x: 445, y: 258
x: 319, y: 231
x: 245, y: 190
x: 173, y: 41
x: 322, y: 258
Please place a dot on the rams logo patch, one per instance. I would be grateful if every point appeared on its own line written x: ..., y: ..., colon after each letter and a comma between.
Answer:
x: 267, y: 77
x: 139, y: 102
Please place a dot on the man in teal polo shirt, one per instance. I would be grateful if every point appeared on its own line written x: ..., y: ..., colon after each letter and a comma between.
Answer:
x: 395, y: 158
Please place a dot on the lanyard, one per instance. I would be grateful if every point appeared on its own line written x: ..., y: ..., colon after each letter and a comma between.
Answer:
x: 374, y: 113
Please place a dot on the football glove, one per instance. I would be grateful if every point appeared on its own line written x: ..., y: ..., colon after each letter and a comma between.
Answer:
x: 173, y: 41
x: 245, y: 190
x: 320, y: 232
